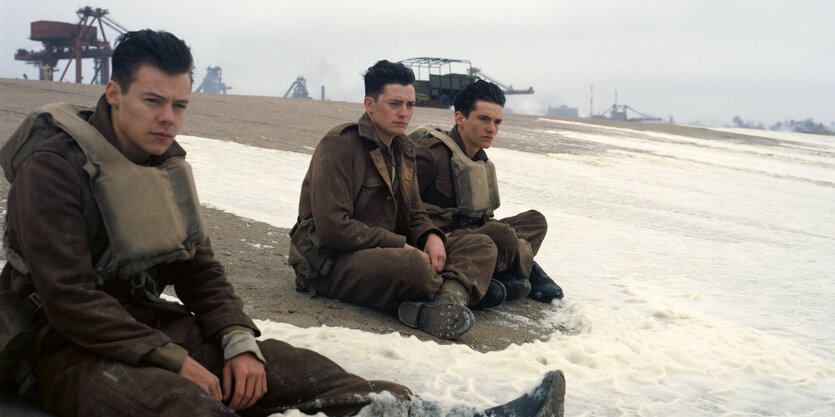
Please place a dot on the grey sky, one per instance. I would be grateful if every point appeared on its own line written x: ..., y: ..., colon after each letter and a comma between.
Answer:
x: 699, y: 61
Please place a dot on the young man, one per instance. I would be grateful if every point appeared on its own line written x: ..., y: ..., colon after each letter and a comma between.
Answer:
x: 375, y: 244
x: 102, y: 216
x: 459, y: 189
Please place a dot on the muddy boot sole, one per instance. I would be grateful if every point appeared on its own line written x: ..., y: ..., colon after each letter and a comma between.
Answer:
x: 443, y: 320
x: 546, y: 400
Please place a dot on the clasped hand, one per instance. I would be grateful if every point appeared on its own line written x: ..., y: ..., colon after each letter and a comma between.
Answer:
x: 434, y: 251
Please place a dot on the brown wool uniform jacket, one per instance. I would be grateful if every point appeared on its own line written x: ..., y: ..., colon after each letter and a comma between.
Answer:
x: 379, y: 217
x: 47, y: 226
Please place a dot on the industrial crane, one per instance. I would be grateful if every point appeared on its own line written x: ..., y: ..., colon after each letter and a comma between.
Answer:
x: 73, y: 42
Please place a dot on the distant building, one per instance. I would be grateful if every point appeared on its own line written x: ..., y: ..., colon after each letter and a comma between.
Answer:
x: 562, y: 111
x: 213, y: 82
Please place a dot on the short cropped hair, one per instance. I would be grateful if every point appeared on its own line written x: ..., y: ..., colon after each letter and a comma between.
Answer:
x: 161, y: 49
x: 383, y: 73
x: 479, y: 90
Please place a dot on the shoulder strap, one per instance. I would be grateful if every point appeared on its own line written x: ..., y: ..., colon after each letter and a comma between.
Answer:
x: 420, y: 131
x: 39, y: 125
x: 446, y: 140
x: 91, y: 141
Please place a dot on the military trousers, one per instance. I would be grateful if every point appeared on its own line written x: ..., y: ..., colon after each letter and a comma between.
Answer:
x: 385, y: 277
x: 517, y: 240
x: 75, y: 382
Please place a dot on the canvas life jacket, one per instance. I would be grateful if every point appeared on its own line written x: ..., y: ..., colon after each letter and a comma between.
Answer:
x: 151, y: 213
x: 476, y: 186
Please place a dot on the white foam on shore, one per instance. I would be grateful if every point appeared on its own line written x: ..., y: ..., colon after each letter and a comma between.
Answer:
x: 698, y: 276
x: 255, y: 183
x: 825, y: 140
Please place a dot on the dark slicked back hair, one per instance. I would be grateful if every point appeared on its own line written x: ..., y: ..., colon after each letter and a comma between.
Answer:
x: 479, y: 90
x: 160, y: 49
x: 385, y: 72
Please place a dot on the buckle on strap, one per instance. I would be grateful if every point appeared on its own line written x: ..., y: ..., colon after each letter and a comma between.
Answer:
x: 32, y: 303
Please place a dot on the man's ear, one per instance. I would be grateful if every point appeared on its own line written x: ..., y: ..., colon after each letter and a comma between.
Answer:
x: 459, y: 118
x: 113, y: 93
x: 369, y: 103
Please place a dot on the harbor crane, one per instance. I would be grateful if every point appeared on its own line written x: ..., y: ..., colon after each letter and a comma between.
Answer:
x: 73, y: 42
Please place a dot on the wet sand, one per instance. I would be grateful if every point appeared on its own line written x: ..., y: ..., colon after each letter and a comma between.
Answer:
x: 260, y: 275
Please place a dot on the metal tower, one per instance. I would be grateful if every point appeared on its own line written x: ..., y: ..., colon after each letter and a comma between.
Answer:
x: 73, y: 42
x: 298, y: 89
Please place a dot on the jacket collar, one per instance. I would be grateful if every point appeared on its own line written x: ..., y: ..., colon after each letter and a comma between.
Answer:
x: 480, y: 155
x: 101, y: 120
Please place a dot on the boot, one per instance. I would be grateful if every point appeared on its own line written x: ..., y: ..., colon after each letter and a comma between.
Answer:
x: 446, y: 316
x: 516, y: 286
x: 543, y: 288
x: 546, y: 400
x: 495, y: 295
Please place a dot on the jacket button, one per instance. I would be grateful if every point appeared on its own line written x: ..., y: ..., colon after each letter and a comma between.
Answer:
x: 389, y: 198
x: 385, y: 219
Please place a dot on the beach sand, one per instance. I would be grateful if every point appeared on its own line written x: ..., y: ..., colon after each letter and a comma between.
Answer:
x: 261, y: 276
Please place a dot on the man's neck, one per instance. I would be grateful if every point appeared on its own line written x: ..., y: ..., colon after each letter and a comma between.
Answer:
x: 458, y: 137
x: 385, y: 139
x: 470, y: 152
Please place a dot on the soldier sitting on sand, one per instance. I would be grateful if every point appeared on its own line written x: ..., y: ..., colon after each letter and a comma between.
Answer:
x: 363, y: 235
x: 459, y: 190
x: 102, y: 216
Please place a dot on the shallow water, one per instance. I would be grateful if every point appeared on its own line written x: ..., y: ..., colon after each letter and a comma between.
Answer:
x: 698, y: 273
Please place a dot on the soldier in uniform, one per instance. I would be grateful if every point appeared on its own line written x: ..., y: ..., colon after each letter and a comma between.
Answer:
x: 102, y: 216
x: 459, y: 189
x: 363, y: 234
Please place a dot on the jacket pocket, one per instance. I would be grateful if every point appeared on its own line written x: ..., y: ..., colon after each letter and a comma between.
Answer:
x: 369, y: 202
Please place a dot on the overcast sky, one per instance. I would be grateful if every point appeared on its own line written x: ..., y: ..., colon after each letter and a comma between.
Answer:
x: 699, y: 61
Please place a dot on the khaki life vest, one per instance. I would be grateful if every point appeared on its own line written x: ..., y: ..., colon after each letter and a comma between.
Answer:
x: 476, y: 186
x: 151, y: 214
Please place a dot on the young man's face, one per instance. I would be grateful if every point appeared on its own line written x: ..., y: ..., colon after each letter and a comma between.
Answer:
x: 147, y: 116
x: 392, y: 110
x: 478, y: 130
